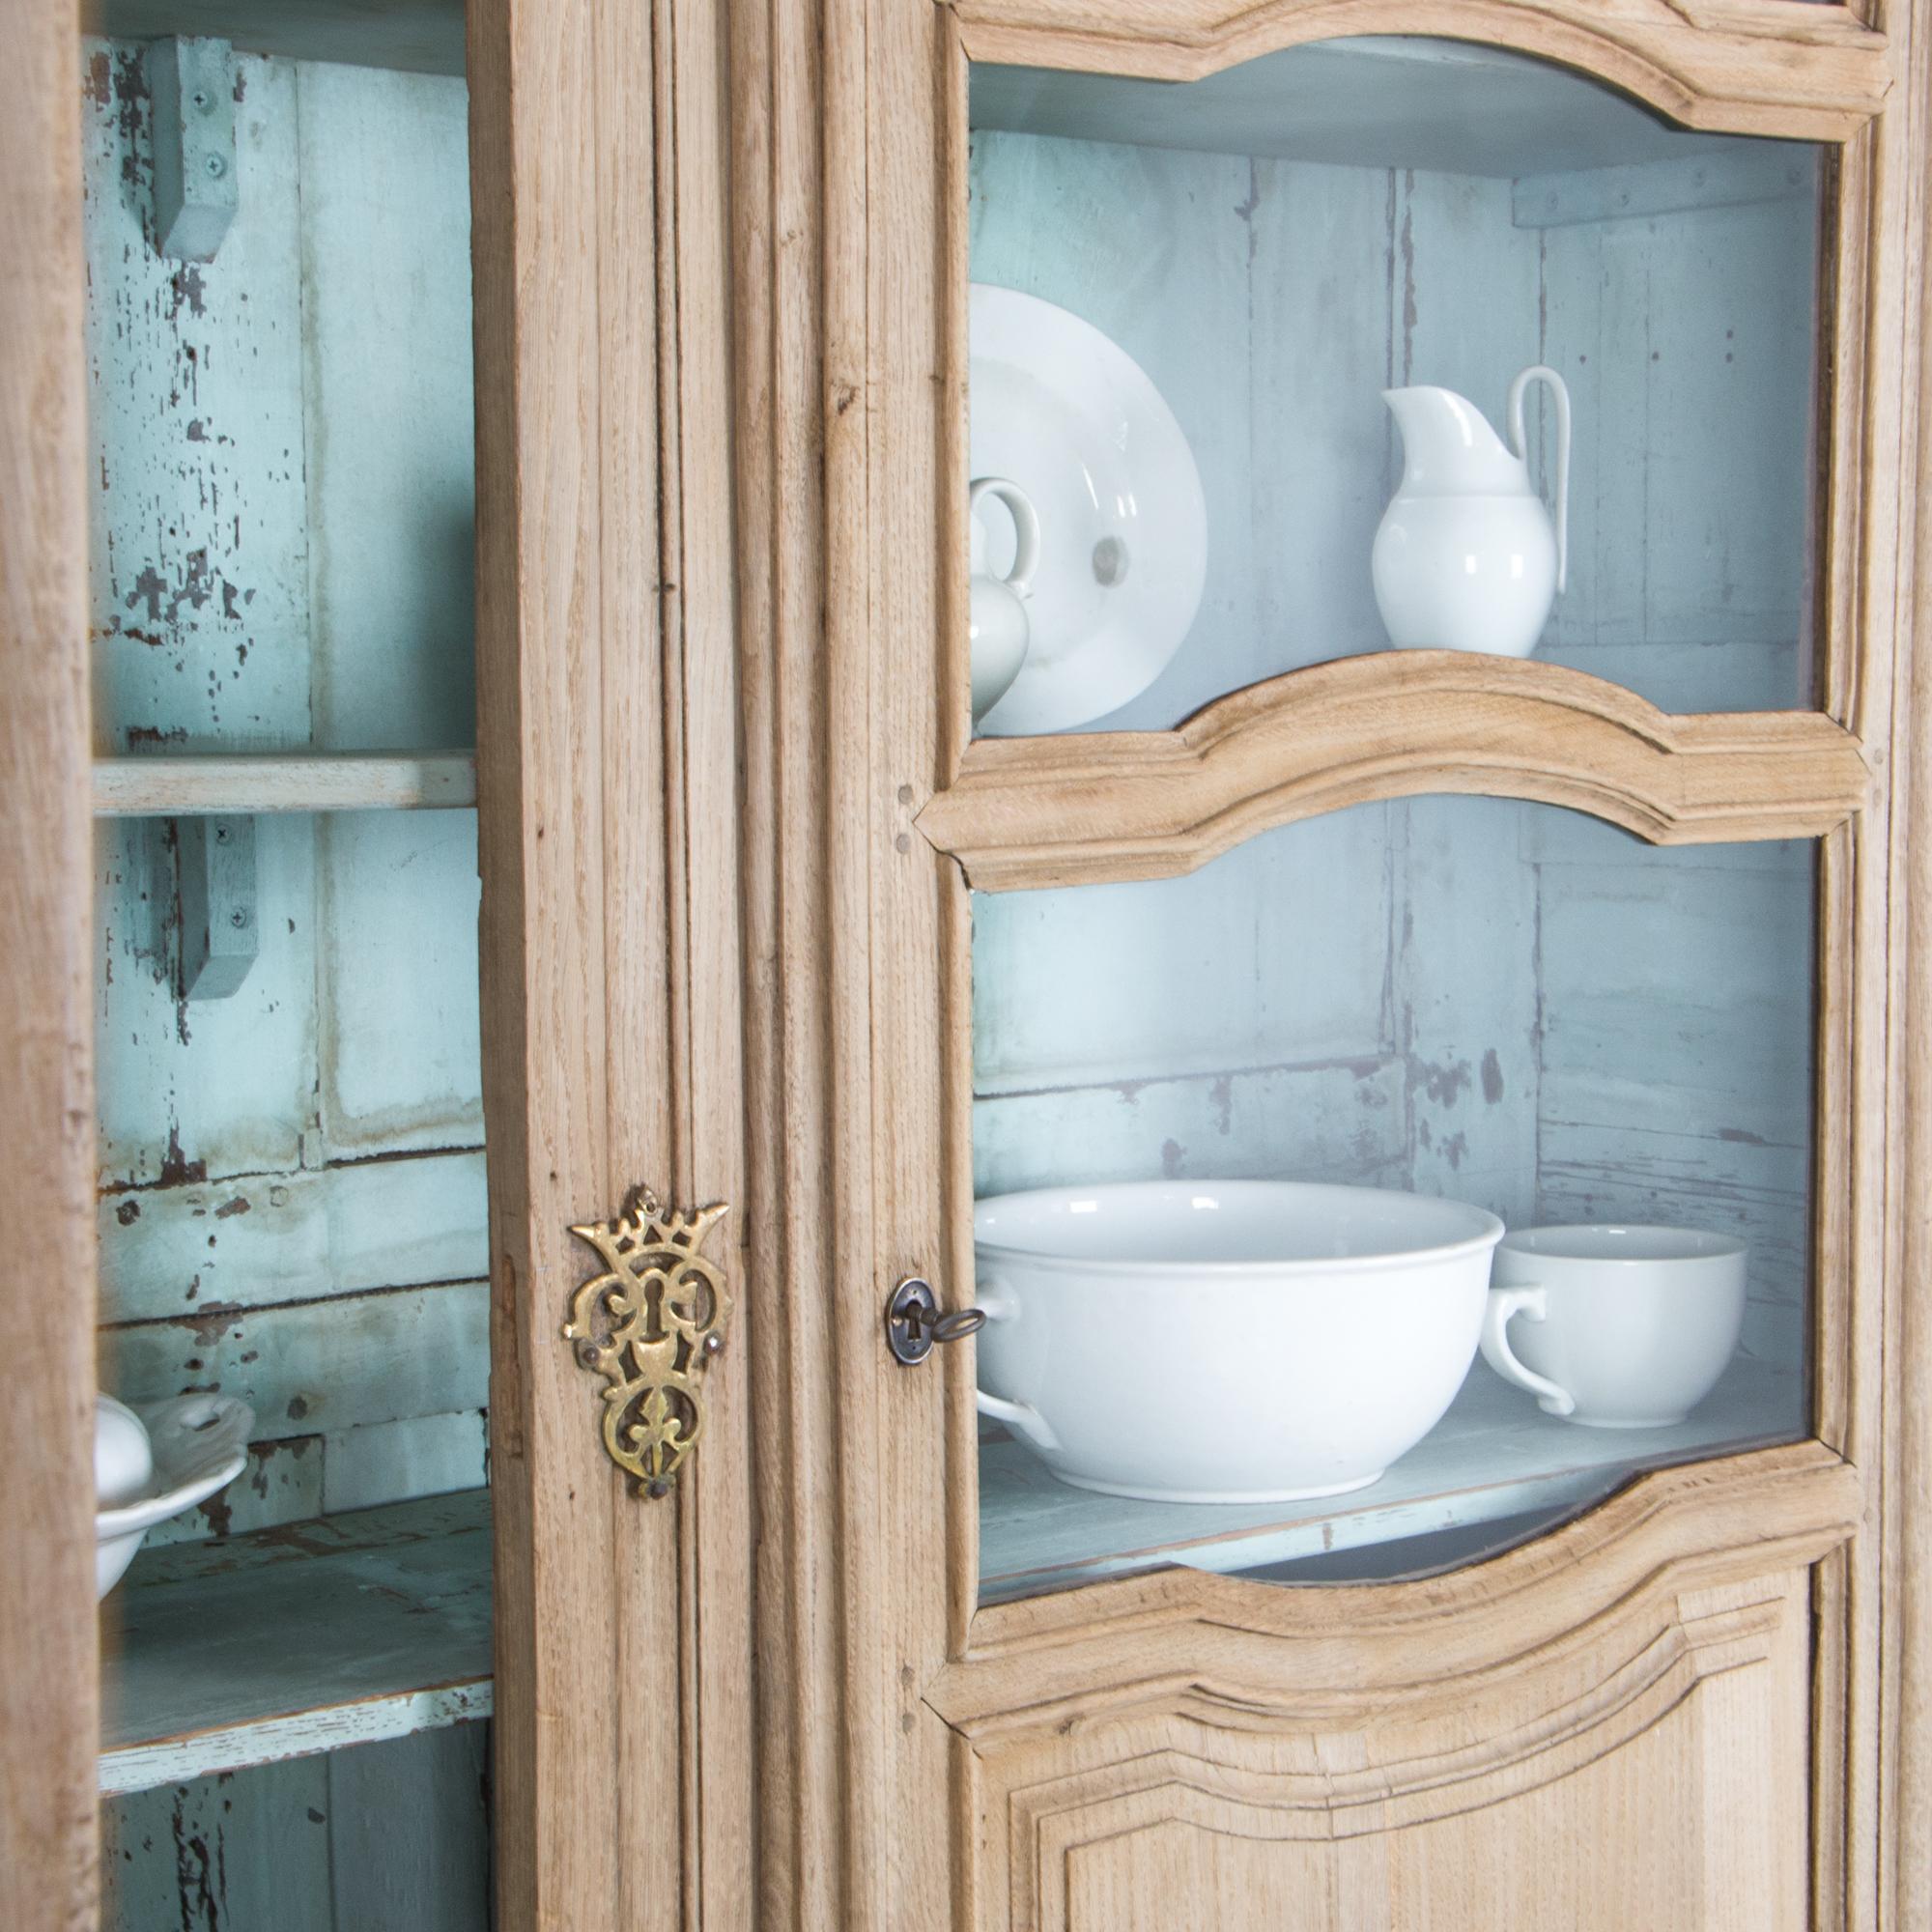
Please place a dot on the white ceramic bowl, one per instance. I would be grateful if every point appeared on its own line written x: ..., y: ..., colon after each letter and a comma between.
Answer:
x: 1226, y: 1341
x: 197, y: 1444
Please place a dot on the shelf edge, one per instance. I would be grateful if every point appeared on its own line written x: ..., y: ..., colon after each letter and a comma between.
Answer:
x: 126, y: 788
x: 126, y: 1768
x: 1084, y: 809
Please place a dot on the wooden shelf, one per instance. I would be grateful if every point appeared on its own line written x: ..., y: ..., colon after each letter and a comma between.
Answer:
x: 414, y: 36
x: 170, y: 787
x: 1494, y: 1455
x: 1083, y: 807
x: 289, y: 1641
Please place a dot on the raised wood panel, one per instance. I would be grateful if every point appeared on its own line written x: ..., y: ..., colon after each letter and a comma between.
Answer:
x: 1649, y: 1770
x: 1729, y: 65
x: 1083, y: 807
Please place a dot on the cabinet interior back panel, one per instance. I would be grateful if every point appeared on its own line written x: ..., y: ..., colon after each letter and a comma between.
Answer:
x: 1504, y: 1003
x: 292, y: 1200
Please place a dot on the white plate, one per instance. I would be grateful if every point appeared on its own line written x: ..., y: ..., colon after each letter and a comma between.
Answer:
x: 1073, y: 419
x: 200, y: 1446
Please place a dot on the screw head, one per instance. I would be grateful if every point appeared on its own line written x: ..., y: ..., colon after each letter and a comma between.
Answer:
x: 200, y: 101
x: 237, y: 919
x: 714, y: 1345
x: 216, y: 167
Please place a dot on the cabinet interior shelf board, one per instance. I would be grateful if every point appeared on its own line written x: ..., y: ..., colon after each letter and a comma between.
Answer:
x: 1495, y: 1455
x: 411, y: 36
x: 1084, y: 809
x: 286, y: 1642
x: 143, y: 787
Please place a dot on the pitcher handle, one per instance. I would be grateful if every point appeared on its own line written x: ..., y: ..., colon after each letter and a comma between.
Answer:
x: 1026, y: 528
x: 1541, y: 373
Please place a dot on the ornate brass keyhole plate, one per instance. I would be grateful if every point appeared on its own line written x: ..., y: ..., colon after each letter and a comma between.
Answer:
x: 651, y: 1323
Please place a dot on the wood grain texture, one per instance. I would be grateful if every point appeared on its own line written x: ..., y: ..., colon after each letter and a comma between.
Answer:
x: 287, y: 781
x: 1028, y: 1665
x: 565, y: 1529
x: 1744, y: 67
x: 1081, y: 808
x: 1055, y: 1668
x: 607, y: 817
x: 1695, y: 1699
x: 49, y: 1670
x: 1891, y: 1612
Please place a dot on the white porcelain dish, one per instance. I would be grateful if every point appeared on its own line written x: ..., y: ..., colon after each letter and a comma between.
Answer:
x: 199, y: 1444
x: 1074, y: 420
x: 1226, y: 1341
x: 124, y: 1459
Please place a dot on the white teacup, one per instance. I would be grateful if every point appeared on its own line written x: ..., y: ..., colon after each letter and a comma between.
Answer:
x: 1621, y: 1327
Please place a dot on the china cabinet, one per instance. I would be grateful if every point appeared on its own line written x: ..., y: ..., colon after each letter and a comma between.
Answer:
x: 540, y: 960
x: 1618, y: 931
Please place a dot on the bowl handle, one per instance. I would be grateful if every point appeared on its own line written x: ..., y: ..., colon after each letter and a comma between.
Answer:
x: 1504, y: 1303
x: 997, y: 1301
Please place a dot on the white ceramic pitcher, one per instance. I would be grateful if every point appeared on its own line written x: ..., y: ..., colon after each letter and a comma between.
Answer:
x: 1466, y: 559
x: 998, y: 618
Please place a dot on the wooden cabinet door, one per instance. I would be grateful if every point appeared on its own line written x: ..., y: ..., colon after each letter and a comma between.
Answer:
x: 1674, y: 1708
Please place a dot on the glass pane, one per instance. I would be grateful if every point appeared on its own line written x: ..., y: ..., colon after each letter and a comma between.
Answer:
x: 1507, y: 1007
x: 293, y: 1210
x: 1222, y: 278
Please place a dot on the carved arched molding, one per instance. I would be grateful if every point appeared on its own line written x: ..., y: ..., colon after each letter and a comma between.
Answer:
x: 1240, y: 1654
x: 1747, y: 66
x: 1318, y: 1785
x: 1089, y: 806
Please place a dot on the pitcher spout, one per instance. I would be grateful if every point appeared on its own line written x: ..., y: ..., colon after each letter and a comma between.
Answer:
x: 1449, y: 448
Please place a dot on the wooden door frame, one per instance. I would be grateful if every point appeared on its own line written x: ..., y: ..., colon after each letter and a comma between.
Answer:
x: 608, y: 843
x: 851, y: 222
x: 49, y: 1689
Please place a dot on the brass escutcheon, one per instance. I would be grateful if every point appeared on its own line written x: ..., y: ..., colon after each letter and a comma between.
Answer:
x: 652, y: 1323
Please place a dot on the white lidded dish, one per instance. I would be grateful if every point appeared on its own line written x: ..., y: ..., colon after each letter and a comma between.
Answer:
x: 193, y: 1446
x: 1226, y: 1341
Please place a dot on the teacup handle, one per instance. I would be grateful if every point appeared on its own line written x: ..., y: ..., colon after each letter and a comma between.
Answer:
x: 1505, y: 1302
x: 997, y: 1302
x: 1026, y: 528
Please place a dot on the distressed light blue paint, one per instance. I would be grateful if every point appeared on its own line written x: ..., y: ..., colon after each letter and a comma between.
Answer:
x: 1505, y: 1003
x: 281, y: 558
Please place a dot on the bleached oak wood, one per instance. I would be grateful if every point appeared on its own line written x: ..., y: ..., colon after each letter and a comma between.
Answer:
x: 1743, y: 67
x: 282, y: 782
x: 48, y: 1675
x: 607, y: 933
x: 852, y: 378
x: 1143, y: 804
